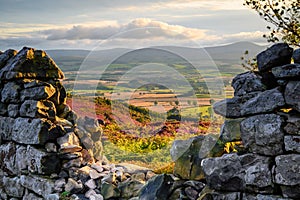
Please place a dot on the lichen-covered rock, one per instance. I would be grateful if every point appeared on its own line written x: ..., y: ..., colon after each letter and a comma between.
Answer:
x: 292, y: 94
x: 39, y: 185
x: 13, y: 187
x: 69, y: 143
x: 31, y: 63
x: 6, y: 56
x: 158, y: 187
x: 13, y: 110
x: 17, y: 159
x: 264, y: 102
x: 37, y: 93
x: 38, y: 109
x: 277, y: 55
x: 262, y: 134
x: 188, y: 154
x: 292, y: 143
x: 130, y: 189
x: 231, y: 130
x: 296, y: 56
x: 287, y: 174
x: 10, y: 93
x: 235, y: 173
x: 33, y: 131
x: 246, y: 83
x: 251, y: 104
x: 287, y: 71
x: 3, y: 109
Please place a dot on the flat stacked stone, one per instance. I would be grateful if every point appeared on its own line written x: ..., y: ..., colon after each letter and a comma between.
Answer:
x: 267, y: 120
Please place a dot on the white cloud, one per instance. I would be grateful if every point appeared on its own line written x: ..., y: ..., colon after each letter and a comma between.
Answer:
x: 141, y: 28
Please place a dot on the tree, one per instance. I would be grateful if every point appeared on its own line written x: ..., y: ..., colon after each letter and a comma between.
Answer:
x: 284, y: 15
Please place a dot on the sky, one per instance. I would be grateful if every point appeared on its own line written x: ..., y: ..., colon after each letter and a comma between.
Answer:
x: 88, y: 24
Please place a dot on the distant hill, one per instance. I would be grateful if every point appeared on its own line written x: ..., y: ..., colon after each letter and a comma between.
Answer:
x: 70, y: 60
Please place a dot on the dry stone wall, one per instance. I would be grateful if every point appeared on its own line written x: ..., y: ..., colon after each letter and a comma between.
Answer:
x: 264, y: 113
x: 46, y: 151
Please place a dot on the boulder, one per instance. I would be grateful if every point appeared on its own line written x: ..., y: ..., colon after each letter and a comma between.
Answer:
x: 6, y: 56
x: 31, y: 63
x: 108, y: 190
x: 262, y: 134
x: 247, y: 82
x: 296, y: 56
x: 158, y: 187
x: 292, y: 143
x: 277, y: 55
x: 188, y: 154
x: 38, y: 109
x: 287, y: 174
x: 287, y: 71
x: 292, y: 93
x: 235, y: 173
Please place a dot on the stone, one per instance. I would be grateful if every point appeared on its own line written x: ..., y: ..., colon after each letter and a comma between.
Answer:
x: 262, y: 134
x: 41, y: 162
x: 262, y: 197
x: 69, y: 143
x: 287, y: 71
x: 89, y: 193
x: 31, y: 196
x: 39, y: 185
x: 96, y: 197
x: 287, y: 174
x: 130, y: 189
x: 51, y: 147
x: 10, y: 93
x: 38, y: 109
x: 292, y: 126
x: 250, y: 104
x: 72, y: 163
x: 6, y: 56
x: 292, y: 143
x: 13, y: 110
x: 264, y: 102
x: 59, y: 184
x: 246, y: 83
x: 97, y: 166
x: 60, y: 96
x: 191, y: 193
x: 158, y: 187
x: 131, y: 168
x: 98, y: 150
x: 94, y: 174
x: 87, y: 142
x: 31, y: 63
x: 32, y: 131
x: 188, y: 154
x: 292, y: 94
x: 277, y: 55
x: 235, y: 173
x: 91, y: 184
x: 37, y: 93
x: 197, y: 185
x: 138, y: 176
x: 296, y: 56
x: 73, y: 186
x: 221, y: 196
x: 13, y: 187
x: 231, y: 130
x: 6, y: 126
x: 109, y: 190
x: 3, y: 109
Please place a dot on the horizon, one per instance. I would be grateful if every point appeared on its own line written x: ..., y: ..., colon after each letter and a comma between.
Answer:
x: 128, y: 24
